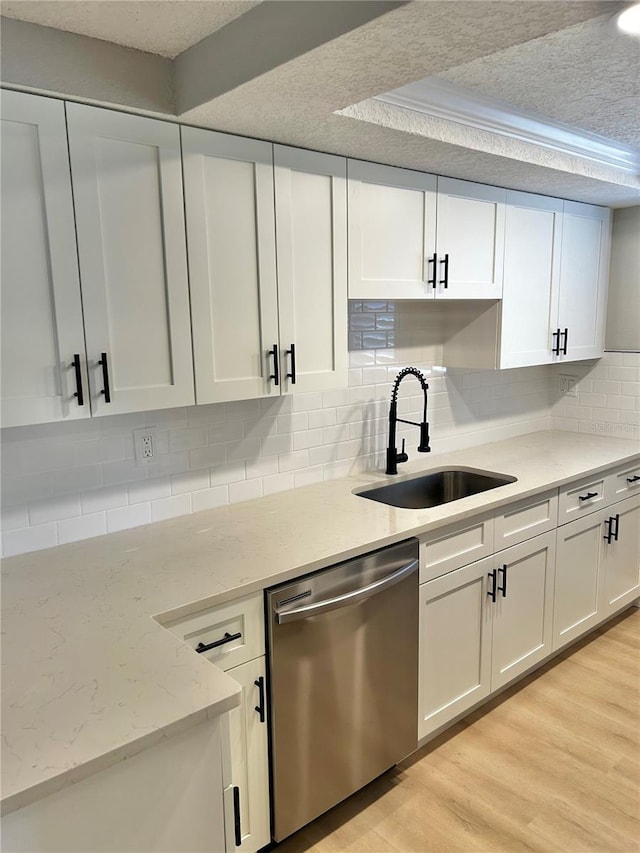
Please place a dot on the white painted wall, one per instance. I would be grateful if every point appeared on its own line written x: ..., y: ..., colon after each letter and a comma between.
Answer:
x: 63, y: 482
x: 623, y: 310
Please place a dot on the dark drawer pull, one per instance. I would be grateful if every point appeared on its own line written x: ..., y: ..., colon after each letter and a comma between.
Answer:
x: 236, y: 816
x: 633, y: 479
x: 259, y: 683
x: 616, y: 518
x: 79, y: 394
x: 105, y: 378
x: 503, y: 588
x: 491, y: 587
x: 564, y: 345
x: 292, y: 353
x: 588, y: 496
x: 609, y: 527
x: 432, y: 260
x: 228, y: 638
x: 555, y: 348
x: 276, y: 367
x: 445, y: 264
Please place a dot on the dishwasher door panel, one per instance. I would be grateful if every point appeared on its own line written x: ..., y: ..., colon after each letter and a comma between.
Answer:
x: 344, y: 700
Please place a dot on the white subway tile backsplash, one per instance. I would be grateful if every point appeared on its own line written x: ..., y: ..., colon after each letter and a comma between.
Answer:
x: 189, y: 481
x: 54, y: 509
x: 14, y: 517
x: 83, y: 527
x: 101, y: 499
x: 125, y: 517
x: 210, y: 498
x: 170, y: 507
x: 27, y: 539
x: 149, y: 490
x: 212, y: 455
x: 245, y: 490
x: 277, y: 483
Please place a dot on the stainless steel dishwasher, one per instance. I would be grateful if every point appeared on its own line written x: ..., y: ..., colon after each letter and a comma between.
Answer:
x: 343, y: 647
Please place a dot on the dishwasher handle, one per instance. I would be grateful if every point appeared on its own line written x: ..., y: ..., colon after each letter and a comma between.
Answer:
x: 348, y: 598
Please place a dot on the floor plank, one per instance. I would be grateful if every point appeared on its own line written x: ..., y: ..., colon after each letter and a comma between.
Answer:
x: 551, y: 765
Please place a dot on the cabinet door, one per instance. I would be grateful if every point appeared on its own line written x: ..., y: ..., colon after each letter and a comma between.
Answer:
x: 42, y: 328
x: 311, y: 229
x: 455, y: 645
x: 392, y: 222
x: 523, y: 609
x: 232, y: 264
x: 471, y: 233
x: 249, y: 757
x: 531, y: 274
x: 621, y: 563
x: 578, y: 559
x: 584, y: 267
x: 127, y: 184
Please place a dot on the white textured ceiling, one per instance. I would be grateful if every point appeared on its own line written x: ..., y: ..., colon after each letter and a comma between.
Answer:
x: 546, y: 55
x: 165, y: 27
x: 587, y: 75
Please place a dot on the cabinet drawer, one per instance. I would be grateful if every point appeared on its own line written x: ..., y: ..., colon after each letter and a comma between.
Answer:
x: 581, y: 498
x: 526, y: 519
x: 455, y: 546
x: 623, y: 482
x: 244, y: 616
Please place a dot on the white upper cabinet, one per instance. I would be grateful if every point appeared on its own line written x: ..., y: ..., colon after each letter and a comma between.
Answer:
x: 311, y: 231
x: 415, y: 236
x: 127, y: 184
x: 43, y: 355
x: 584, y: 266
x: 531, y: 279
x: 392, y: 232
x: 232, y: 265
x: 470, y: 240
x: 257, y: 333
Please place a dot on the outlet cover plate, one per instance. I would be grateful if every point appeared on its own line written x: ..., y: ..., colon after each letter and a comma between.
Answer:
x: 146, y: 445
x: 567, y: 385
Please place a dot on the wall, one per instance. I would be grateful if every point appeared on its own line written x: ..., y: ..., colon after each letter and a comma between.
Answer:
x: 623, y: 309
x: 68, y: 481
x: 607, y: 400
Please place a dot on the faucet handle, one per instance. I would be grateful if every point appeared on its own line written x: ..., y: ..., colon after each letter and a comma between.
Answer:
x: 424, y: 438
x: 402, y: 456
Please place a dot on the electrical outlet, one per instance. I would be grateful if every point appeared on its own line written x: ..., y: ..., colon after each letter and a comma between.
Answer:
x: 145, y: 444
x: 568, y: 385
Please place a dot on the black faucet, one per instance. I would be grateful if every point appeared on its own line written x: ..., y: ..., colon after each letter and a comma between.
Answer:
x: 393, y: 457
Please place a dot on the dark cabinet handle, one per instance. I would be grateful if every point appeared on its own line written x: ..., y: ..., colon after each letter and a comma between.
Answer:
x: 76, y: 366
x: 105, y: 377
x: 555, y: 344
x: 276, y: 367
x: 228, y: 638
x: 616, y: 518
x: 236, y: 816
x: 612, y: 532
x: 564, y: 345
x: 432, y: 260
x: 445, y: 264
x: 492, y: 589
x: 292, y: 353
x: 588, y: 496
x: 633, y: 479
x: 503, y: 588
x: 259, y: 683
x: 607, y: 535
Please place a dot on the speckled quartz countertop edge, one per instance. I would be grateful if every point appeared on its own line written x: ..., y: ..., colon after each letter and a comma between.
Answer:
x: 68, y: 714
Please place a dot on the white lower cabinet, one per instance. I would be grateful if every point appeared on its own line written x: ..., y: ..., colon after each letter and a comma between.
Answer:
x: 481, y: 626
x: 598, y: 568
x: 233, y: 638
x: 249, y: 759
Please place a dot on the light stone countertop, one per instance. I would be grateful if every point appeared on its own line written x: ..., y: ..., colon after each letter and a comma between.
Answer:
x: 91, y: 678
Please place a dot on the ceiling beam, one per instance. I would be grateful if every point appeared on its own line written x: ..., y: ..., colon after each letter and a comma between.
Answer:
x: 267, y: 36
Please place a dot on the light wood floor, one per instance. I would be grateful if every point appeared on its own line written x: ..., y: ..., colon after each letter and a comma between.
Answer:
x: 551, y: 765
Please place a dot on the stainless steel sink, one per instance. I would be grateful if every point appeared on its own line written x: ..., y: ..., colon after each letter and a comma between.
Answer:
x: 439, y: 487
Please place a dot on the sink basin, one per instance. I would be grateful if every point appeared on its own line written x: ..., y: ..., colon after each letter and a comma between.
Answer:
x: 439, y: 487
